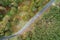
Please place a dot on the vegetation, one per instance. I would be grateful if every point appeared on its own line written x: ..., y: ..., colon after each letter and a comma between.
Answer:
x: 46, y: 28
x: 13, y: 12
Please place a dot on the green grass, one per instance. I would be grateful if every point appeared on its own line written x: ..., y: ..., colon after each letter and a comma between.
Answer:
x: 48, y: 28
x: 57, y: 1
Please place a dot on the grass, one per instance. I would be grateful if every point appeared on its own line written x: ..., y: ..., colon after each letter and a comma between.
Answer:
x: 48, y: 27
